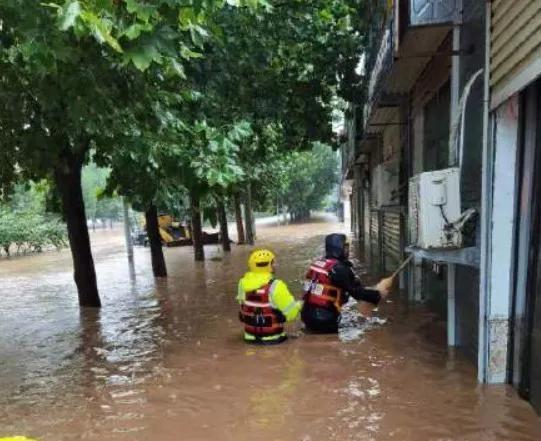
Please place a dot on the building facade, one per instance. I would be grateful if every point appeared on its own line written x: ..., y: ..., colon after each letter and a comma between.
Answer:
x: 511, y: 272
x: 453, y: 89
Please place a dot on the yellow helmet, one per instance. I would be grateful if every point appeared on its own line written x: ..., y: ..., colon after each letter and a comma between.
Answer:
x: 260, y: 261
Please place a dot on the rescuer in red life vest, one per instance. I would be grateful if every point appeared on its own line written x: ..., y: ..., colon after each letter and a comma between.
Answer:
x: 265, y: 301
x: 329, y: 283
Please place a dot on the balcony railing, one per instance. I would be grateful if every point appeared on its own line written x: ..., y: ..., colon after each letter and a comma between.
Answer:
x: 405, y: 14
x: 432, y: 12
x: 350, y: 147
x: 379, y: 65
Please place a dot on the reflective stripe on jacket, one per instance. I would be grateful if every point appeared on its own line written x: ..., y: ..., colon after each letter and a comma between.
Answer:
x: 260, y: 318
x: 265, y: 304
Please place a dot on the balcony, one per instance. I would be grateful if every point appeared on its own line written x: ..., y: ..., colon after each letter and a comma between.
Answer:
x: 414, y: 32
x: 379, y: 66
x: 348, y: 142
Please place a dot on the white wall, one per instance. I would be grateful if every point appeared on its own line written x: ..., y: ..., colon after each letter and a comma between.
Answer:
x: 504, y: 202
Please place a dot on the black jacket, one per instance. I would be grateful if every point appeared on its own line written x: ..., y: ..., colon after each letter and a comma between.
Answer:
x: 325, y: 320
x: 342, y: 275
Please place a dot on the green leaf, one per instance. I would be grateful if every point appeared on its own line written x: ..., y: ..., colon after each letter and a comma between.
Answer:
x: 134, y: 31
x: 143, y: 11
x: 187, y: 53
x: 69, y: 15
x: 186, y: 18
x: 229, y: 146
x: 178, y: 69
x: 213, y: 146
x: 141, y: 60
x: 240, y: 131
x: 101, y: 29
x: 142, y: 57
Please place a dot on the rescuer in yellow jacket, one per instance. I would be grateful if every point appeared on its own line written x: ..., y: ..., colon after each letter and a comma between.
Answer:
x: 265, y: 302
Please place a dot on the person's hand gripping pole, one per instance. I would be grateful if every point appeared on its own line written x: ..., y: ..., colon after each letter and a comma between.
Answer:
x: 385, y: 287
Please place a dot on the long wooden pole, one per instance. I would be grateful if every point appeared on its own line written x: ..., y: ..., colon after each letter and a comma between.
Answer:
x: 401, y: 267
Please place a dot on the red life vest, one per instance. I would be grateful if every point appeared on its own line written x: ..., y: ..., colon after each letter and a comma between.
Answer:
x: 318, y: 289
x: 259, y: 317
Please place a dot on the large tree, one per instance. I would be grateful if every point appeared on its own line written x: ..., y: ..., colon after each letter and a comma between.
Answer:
x: 71, y: 78
x: 281, y: 68
x: 120, y: 77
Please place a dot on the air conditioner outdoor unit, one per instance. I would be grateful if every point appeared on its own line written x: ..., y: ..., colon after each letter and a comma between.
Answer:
x: 435, y: 210
x: 384, y: 181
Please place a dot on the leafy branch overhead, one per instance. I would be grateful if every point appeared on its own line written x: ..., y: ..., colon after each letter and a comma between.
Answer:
x: 142, y: 33
x: 171, y: 96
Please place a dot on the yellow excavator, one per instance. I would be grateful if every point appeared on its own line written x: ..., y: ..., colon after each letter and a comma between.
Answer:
x: 172, y: 233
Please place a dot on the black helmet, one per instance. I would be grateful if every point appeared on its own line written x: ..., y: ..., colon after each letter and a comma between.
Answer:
x: 335, y: 246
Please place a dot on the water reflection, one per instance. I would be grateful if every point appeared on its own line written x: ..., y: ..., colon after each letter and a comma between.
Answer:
x: 272, y: 405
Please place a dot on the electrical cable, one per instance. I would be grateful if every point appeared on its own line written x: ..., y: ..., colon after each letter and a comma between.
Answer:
x: 447, y: 223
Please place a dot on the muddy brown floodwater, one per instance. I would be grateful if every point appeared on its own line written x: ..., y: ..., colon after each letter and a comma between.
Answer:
x: 164, y: 360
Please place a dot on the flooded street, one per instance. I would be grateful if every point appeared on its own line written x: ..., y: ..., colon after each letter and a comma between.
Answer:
x: 165, y: 361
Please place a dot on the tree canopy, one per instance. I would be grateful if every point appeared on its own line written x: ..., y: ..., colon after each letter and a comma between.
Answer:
x: 180, y: 99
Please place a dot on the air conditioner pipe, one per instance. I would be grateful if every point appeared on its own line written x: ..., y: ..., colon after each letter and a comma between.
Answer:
x: 459, y: 120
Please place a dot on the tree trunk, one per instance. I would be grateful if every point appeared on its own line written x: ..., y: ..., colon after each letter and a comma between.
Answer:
x: 189, y: 229
x: 156, y: 252
x: 127, y: 229
x: 224, y: 230
x: 238, y: 216
x: 197, y: 228
x: 68, y: 182
x: 278, y: 211
x: 249, y: 216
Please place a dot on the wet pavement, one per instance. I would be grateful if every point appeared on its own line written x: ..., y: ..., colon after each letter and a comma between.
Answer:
x: 163, y: 360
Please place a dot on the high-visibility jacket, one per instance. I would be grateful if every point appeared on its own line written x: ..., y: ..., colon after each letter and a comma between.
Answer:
x: 318, y: 288
x: 265, y: 305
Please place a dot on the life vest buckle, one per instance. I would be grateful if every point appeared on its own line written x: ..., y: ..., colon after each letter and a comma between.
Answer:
x: 260, y: 319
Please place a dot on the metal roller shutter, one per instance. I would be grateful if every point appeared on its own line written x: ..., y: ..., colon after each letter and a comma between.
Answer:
x: 366, y: 222
x: 515, y: 52
x: 374, y: 238
x: 392, y: 239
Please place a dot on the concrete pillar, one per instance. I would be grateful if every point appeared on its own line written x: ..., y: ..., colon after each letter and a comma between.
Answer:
x: 453, y: 160
x: 497, y: 245
x: 353, y: 207
x: 346, y: 202
x: 418, y: 140
x: 415, y: 289
x: 451, y: 305
x: 347, y: 212
x: 357, y: 189
x: 455, y: 92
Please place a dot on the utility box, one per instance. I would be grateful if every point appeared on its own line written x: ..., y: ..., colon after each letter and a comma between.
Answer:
x: 434, y: 207
x: 384, y: 183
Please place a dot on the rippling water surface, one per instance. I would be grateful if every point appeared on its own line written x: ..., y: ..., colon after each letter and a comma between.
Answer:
x: 163, y: 360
